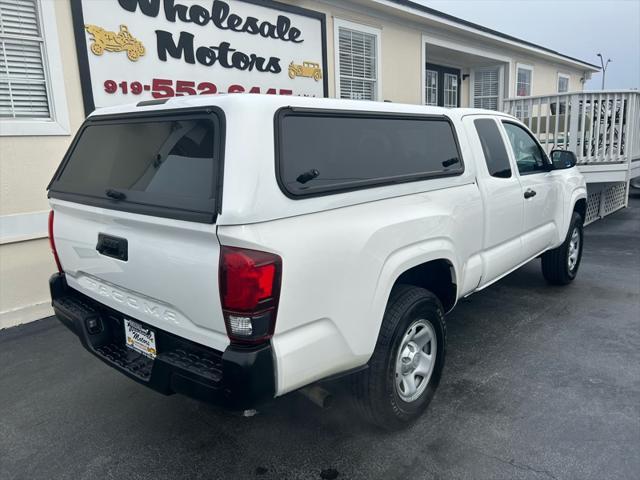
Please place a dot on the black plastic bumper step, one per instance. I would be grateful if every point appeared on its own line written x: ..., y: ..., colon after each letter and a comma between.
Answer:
x: 204, y: 366
x: 127, y: 359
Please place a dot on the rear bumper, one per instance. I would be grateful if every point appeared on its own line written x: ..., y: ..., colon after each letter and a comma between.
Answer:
x: 238, y: 378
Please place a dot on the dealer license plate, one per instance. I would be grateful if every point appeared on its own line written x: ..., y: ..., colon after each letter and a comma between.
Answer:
x: 140, y: 338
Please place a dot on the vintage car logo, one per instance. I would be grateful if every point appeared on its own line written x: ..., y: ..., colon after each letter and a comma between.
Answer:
x: 115, y: 42
x: 307, y: 69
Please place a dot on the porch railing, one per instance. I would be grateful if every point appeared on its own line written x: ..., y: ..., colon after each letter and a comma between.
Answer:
x: 600, y: 127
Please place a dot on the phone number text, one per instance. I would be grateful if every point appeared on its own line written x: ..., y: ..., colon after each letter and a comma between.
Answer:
x: 165, y: 88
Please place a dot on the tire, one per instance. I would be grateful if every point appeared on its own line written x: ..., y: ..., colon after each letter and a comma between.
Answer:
x: 377, y: 394
x: 560, y: 265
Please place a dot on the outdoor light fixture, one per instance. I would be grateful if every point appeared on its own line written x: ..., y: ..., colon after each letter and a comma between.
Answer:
x: 604, y: 67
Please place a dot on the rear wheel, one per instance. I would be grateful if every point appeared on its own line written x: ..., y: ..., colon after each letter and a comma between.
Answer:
x: 560, y: 265
x: 406, y: 365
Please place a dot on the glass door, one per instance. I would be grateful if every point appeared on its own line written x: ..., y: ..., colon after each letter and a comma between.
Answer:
x: 442, y: 86
x: 431, y: 94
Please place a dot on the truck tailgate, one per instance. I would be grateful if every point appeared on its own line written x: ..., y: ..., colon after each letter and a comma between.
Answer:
x: 170, y: 277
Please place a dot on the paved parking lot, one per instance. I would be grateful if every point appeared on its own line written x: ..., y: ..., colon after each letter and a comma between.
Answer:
x: 540, y: 383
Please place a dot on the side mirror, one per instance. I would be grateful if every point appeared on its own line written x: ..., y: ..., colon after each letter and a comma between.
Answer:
x: 562, y: 159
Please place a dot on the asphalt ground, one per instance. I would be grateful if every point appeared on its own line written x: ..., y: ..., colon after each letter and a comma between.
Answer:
x: 540, y: 382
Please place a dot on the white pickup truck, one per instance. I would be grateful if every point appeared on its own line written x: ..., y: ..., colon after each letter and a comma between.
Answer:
x: 237, y: 248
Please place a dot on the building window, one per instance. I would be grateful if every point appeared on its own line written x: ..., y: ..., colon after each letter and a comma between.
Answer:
x: 431, y: 88
x: 32, y: 100
x: 524, y: 76
x: 563, y: 87
x: 358, y: 58
x: 450, y: 90
x: 23, y: 82
x: 563, y: 83
x: 523, y: 82
x: 486, y: 88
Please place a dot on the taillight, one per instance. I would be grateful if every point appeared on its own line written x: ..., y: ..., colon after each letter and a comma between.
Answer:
x: 52, y: 242
x: 249, y: 293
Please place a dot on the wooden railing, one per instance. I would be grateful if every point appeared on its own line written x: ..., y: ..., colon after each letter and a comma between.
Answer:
x: 600, y: 127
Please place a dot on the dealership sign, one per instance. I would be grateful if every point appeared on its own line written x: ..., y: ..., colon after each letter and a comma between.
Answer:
x: 133, y: 50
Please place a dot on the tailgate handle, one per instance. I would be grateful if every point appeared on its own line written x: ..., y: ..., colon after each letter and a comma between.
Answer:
x: 114, y: 247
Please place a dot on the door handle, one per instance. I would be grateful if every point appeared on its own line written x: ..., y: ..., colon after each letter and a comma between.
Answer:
x: 529, y: 193
x: 114, y: 247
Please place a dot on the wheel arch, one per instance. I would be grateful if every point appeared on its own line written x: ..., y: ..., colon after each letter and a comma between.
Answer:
x: 432, y: 265
x: 580, y: 206
x: 438, y: 276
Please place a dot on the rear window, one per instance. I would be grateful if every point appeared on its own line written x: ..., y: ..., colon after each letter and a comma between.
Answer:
x: 166, y: 166
x: 320, y: 152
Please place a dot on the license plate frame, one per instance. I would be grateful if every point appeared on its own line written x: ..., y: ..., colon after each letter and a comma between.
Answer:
x: 140, y: 338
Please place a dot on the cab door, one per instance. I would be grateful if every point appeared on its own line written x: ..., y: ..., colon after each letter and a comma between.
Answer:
x: 502, y: 198
x: 541, y: 190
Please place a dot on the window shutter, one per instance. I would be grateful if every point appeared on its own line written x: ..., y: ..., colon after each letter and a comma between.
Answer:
x: 358, y: 63
x: 486, y: 85
x: 23, y: 87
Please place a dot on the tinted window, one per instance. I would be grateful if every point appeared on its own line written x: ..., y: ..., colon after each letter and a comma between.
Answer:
x: 495, y: 154
x: 529, y: 156
x: 328, y: 152
x: 162, y: 163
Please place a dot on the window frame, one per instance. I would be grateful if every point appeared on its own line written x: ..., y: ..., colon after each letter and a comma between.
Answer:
x: 524, y: 108
x: 357, y: 27
x: 563, y: 76
x: 472, y: 84
x: 368, y: 184
x: 522, y: 66
x: 209, y: 216
x: 545, y: 157
x: 58, y: 123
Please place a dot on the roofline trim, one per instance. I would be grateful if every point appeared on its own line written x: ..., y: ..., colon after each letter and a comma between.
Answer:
x: 423, y: 9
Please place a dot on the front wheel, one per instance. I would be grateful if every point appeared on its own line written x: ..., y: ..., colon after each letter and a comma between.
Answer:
x: 560, y: 265
x: 97, y: 49
x: 407, y: 362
